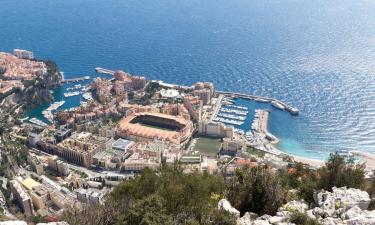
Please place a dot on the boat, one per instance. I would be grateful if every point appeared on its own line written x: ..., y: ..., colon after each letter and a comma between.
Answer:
x: 70, y: 94
x: 277, y: 105
x: 87, y: 96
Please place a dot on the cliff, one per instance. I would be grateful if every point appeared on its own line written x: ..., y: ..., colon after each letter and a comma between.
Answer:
x: 38, y: 91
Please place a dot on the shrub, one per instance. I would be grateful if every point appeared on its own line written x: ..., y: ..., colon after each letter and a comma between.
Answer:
x: 299, y: 218
x: 256, y: 190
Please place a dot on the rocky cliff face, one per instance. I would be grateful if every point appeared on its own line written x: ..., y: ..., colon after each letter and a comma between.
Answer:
x: 342, y: 206
x: 39, y: 91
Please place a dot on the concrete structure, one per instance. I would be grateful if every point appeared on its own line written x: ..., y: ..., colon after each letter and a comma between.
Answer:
x: 58, y: 166
x: 32, y: 139
x: 21, y: 196
x: 23, y: 54
x: 78, y: 148
x: 122, y: 145
x: 142, y: 127
x: 62, y: 134
x: 36, y: 164
x: 204, y: 91
x: 194, y: 106
x: 232, y: 145
x: 90, y: 196
x: 215, y: 129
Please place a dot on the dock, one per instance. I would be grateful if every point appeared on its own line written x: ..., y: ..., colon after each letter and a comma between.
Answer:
x: 77, y: 79
x: 290, y: 109
x: 104, y: 71
x: 260, y: 125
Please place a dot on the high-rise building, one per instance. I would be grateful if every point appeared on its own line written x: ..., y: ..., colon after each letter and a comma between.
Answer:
x: 22, y: 198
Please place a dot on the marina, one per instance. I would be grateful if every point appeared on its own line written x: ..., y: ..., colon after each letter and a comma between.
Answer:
x: 274, y: 102
x: 231, y: 116
x: 234, y: 111
x: 47, y: 113
x: 228, y: 121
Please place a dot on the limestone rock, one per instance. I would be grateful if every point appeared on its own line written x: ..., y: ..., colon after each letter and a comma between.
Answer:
x: 261, y: 222
x: 277, y: 219
x: 15, y: 222
x: 342, y: 198
x: 300, y: 206
x: 351, y: 213
x: 245, y: 219
x: 225, y: 205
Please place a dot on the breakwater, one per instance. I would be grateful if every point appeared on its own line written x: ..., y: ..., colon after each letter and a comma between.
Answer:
x: 274, y: 101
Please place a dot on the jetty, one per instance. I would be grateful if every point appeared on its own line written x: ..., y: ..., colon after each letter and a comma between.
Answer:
x: 104, y: 71
x: 260, y: 125
x: 275, y: 102
x: 77, y: 79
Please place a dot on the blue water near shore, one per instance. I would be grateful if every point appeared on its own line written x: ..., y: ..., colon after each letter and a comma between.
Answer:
x: 315, y: 55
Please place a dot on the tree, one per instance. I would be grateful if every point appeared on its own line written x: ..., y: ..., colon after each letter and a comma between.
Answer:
x: 256, y: 190
x: 340, y: 171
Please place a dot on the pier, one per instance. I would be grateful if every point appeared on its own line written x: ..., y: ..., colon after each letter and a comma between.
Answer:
x: 104, y: 71
x: 260, y: 125
x: 77, y: 79
x: 290, y: 109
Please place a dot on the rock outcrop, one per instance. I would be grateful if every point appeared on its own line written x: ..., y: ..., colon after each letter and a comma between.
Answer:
x: 225, y: 205
x: 342, y: 206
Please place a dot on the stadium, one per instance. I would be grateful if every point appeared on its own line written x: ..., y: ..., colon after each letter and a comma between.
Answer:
x: 148, y: 126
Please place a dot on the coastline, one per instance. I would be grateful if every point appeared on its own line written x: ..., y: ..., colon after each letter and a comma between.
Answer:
x: 367, y: 158
x: 316, y: 163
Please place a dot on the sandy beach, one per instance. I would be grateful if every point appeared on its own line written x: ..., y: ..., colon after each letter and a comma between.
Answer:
x: 312, y: 162
x: 368, y: 158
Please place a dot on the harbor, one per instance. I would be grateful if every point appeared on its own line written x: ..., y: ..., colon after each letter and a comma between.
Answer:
x: 48, y: 114
x: 274, y: 102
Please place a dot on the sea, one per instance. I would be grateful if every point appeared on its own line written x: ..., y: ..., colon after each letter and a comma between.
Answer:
x: 316, y: 55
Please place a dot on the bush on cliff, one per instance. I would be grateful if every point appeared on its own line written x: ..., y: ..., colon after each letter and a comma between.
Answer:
x: 256, y: 190
x: 340, y: 171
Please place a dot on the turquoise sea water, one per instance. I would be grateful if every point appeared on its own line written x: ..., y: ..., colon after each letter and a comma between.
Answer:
x: 315, y: 55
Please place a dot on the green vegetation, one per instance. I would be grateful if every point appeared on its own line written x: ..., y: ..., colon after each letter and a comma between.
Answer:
x: 149, y: 92
x: 208, y: 146
x: 173, y: 197
x: 338, y: 171
x: 341, y: 171
x: 256, y: 190
x: 301, y: 219
x: 170, y: 197
x: 157, y: 127
x: 253, y: 151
